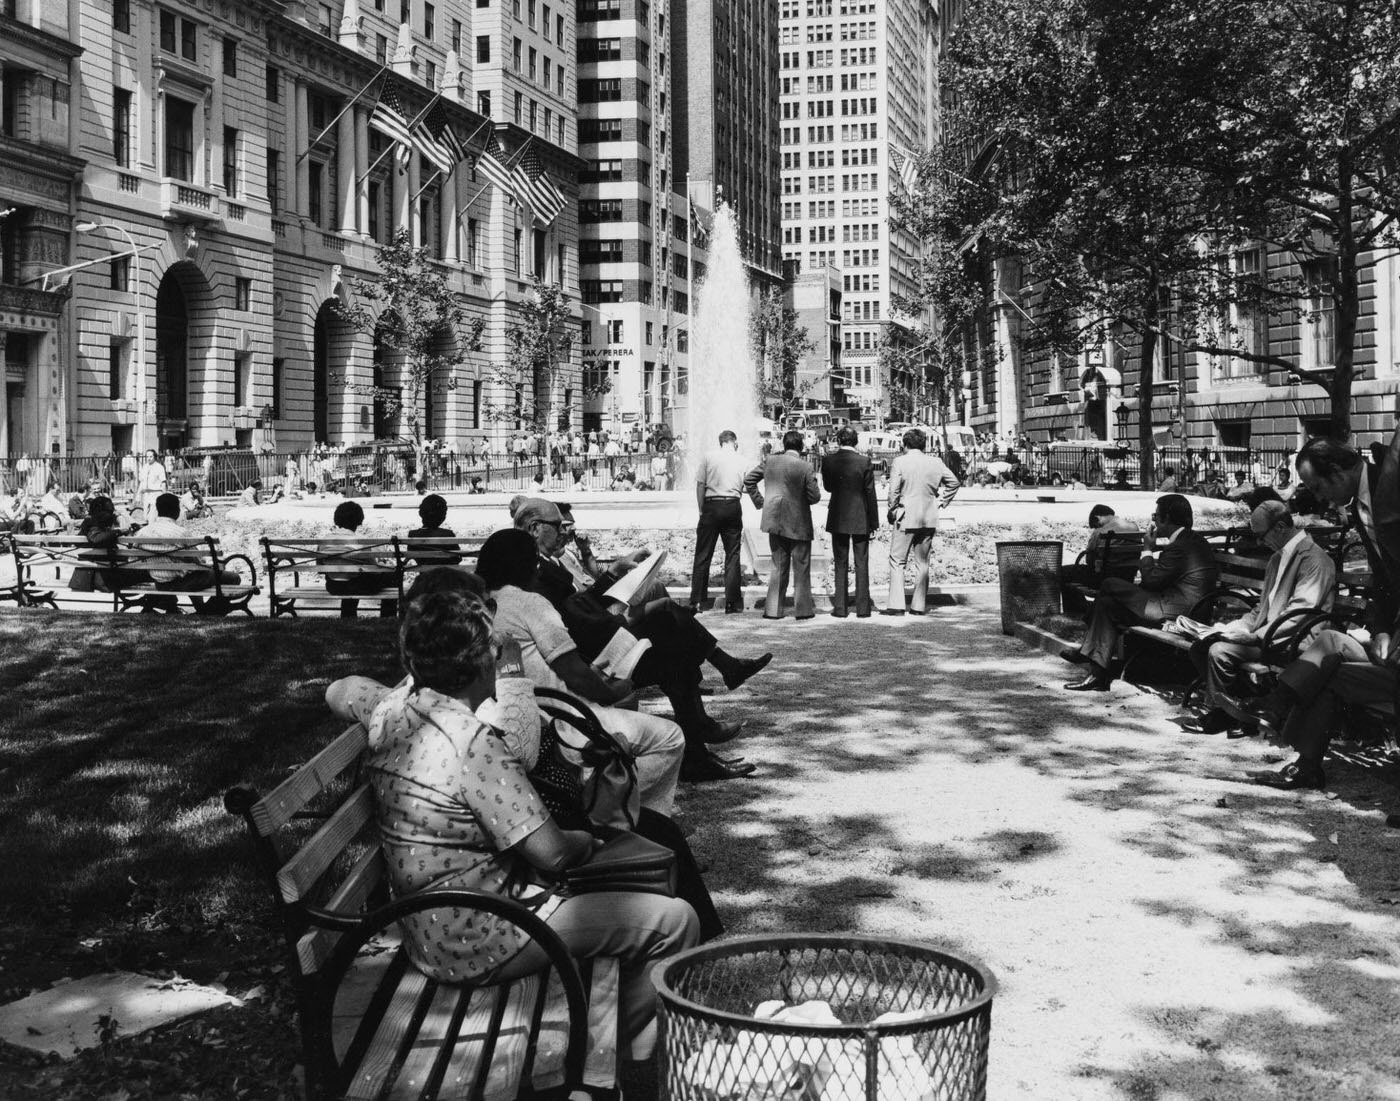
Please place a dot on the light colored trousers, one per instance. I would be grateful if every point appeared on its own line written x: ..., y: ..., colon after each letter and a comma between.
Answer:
x: 657, y: 745
x: 639, y: 930
x: 920, y: 541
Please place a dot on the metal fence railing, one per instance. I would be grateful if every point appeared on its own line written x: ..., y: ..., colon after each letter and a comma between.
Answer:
x: 223, y: 472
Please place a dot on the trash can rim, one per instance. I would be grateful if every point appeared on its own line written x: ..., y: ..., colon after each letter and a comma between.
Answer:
x: 719, y: 949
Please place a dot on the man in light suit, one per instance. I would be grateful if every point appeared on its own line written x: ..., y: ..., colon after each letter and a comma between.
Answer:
x: 1177, y: 570
x: 920, y: 487
x: 788, y: 494
x: 1299, y: 576
x: 852, y: 514
x: 1336, y: 669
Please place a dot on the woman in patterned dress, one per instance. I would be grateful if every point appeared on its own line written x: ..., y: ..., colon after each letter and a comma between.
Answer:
x: 456, y: 809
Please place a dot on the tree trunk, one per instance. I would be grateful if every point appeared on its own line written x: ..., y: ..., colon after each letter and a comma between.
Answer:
x: 1146, y: 377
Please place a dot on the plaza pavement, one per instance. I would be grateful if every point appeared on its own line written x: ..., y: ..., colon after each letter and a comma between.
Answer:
x: 1158, y: 929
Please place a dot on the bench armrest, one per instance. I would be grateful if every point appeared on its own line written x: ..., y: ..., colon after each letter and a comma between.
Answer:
x: 1206, y: 605
x: 252, y: 572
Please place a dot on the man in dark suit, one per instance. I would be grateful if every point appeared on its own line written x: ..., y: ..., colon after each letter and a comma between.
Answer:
x: 1336, y: 668
x: 852, y: 514
x: 1176, y: 571
x: 680, y: 646
x: 788, y: 494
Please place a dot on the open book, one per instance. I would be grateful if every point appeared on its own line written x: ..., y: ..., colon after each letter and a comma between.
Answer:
x: 620, y: 656
x: 1185, y: 625
x: 628, y: 588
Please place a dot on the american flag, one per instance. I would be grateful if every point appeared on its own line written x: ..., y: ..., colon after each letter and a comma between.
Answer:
x: 433, y: 150
x: 698, y: 231
x: 388, y: 118
x: 491, y: 167
x: 446, y: 136
x: 906, y: 166
x: 535, y: 187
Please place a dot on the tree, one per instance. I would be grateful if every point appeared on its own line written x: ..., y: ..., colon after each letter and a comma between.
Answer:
x: 1062, y: 168
x: 537, y: 353
x: 412, y: 312
x: 779, y: 345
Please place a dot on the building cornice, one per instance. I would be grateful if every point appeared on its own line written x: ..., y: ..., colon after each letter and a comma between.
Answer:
x: 20, y: 32
x: 40, y: 159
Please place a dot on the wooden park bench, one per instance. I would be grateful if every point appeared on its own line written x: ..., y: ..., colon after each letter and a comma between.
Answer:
x: 372, y: 1025
x: 298, y: 569
x: 50, y: 568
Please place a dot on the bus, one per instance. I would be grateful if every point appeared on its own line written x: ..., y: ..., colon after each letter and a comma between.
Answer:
x: 814, y: 424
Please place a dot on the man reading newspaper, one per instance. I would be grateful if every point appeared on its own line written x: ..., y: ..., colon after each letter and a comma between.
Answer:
x: 1299, y: 576
x: 680, y: 646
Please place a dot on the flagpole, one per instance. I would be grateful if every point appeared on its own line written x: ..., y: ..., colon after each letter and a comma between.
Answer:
x: 412, y: 123
x: 383, y: 69
x: 482, y: 189
x: 427, y: 185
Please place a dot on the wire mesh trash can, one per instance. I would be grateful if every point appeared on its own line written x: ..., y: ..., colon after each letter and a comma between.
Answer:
x: 1029, y: 573
x: 821, y: 1017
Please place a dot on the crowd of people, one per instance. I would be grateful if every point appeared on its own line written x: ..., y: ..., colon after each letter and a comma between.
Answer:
x: 784, y: 485
x: 1337, y: 664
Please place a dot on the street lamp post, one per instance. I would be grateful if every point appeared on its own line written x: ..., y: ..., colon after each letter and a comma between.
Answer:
x: 140, y: 443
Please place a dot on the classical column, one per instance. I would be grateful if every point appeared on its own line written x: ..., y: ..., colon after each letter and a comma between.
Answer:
x: 362, y: 167
x: 398, y: 182
x: 302, y: 172
x: 447, y: 217
x: 415, y: 227
x: 346, y: 163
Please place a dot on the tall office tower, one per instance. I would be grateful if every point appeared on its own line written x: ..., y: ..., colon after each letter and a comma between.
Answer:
x: 726, y: 80
x: 632, y: 342
x: 857, y: 83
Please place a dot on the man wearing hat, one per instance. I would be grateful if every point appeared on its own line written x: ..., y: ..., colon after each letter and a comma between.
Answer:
x: 1300, y: 575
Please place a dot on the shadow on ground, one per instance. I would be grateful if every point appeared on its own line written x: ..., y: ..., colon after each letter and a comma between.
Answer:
x: 1160, y: 928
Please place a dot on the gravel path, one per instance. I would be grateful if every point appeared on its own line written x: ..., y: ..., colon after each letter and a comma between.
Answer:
x: 1159, y: 930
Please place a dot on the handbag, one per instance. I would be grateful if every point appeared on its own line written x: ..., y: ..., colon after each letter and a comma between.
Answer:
x: 557, y: 783
x: 626, y: 862
x: 611, y: 795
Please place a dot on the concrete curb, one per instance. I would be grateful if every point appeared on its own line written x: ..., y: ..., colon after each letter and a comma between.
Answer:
x: 1039, y: 639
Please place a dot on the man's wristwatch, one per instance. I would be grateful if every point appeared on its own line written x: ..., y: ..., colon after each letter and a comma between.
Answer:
x: 511, y: 669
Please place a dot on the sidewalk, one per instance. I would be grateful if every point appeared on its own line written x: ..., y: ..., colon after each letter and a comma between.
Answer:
x: 1159, y: 930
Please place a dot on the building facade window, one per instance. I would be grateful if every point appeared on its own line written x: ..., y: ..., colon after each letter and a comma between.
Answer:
x: 483, y: 48
x: 121, y: 16
x: 230, y: 57
x: 274, y: 182
x: 179, y: 139
x: 121, y: 127
x: 121, y: 274
x: 230, y: 162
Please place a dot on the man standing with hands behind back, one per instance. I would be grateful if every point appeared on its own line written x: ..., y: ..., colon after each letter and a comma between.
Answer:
x: 788, y: 494
x: 852, y: 514
x: 718, y: 483
x: 920, y: 486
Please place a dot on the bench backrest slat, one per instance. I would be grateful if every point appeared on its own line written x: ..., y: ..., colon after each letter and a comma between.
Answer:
x: 291, y: 796
x: 353, y: 894
x: 306, y: 866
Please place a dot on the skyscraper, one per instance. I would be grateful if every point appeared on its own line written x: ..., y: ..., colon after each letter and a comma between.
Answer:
x: 857, y: 86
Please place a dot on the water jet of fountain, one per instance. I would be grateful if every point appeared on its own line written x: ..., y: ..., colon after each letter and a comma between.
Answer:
x: 723, y: 391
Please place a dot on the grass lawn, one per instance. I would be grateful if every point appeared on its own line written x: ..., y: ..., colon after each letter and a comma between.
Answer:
x: 118, y: 738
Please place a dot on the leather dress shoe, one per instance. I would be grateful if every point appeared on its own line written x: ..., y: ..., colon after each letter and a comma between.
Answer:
x: 744, y: 669
x: 1299, y: 775
x: 1075, y: 657
x: 723, y: 732
x: 839, y: 615
x: 1092, y: 683
x: 733, y: 609
x: 862, y: 615
x: 706, y: 768
x: 1244, y: 730
x: 1214, y: 721
x: 915, y: 611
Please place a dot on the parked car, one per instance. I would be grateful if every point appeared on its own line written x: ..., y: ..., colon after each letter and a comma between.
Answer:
x: 383, y: 464
x: 233, y: 470
x: 1093, y: 462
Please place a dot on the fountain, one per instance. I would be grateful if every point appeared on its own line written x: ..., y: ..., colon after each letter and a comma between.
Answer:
x: 723, y: 389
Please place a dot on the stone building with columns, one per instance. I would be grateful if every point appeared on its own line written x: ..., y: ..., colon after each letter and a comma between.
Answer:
x: 38, y: 185
x: 220, y: 187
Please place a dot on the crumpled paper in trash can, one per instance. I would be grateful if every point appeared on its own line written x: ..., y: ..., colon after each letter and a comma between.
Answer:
x: 767, y: 1067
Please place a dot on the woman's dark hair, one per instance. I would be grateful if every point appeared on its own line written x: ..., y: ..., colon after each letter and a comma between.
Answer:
x: 349, y: 515
x: 1098, y: 511
x: 445, y: 640
x: 101, y: 508
x: 448, y: 579
x: 508, y: 557
x: 432, y: 510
